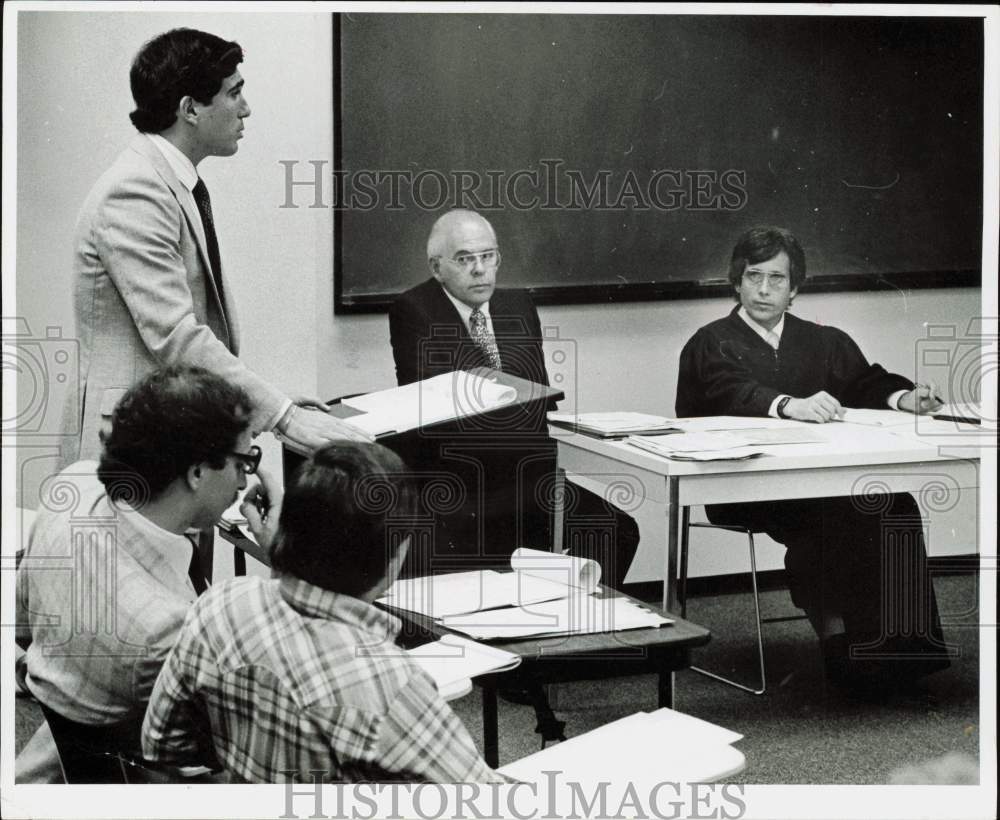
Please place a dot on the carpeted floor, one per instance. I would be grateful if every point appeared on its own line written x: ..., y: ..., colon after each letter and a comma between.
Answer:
x: 798, y: 732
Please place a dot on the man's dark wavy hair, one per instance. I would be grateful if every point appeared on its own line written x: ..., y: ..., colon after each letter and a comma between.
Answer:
x: 174, y: 418
x: 182, y: 62
x: 762, y: 243
x: 346, y: 512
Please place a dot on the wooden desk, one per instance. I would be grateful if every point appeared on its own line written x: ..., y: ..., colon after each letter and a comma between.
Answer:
x: 567, y: 658
x: 852, y: 460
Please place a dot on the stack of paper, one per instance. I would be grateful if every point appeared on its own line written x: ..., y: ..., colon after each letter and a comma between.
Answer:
x: 537, y: 576
x: 644, y: 748
x: 613, y: 425
x: 575, y: 615
x: 697, y: 446
x: 454, y: 658
x: 442, y: 398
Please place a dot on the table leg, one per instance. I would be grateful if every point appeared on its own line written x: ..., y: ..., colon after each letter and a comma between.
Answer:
x: 670, y: 565
x: 558, y: 510
x: 491, y: 745
x: 665, y: 689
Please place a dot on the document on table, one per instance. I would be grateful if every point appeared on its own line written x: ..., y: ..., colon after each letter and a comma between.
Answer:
x: 876, y: 418
x: 575, y: 615
x: 708, y: 424
x: 647, y: 747
x: 445, y: 397
x: 612, y: 425
x: 537, y: 576
x: 454, y: 658
x: 697, y: 446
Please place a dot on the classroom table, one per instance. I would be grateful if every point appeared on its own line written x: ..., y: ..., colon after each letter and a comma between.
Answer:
x: 566, y: 658
x: 558, y: 659
x: 930, y: 459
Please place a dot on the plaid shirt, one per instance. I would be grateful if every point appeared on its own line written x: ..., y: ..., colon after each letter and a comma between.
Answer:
x: 293, y: 679
x: 105, y: 592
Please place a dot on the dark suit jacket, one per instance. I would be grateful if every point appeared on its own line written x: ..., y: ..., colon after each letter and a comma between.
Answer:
x: 499, y: 463
x: 429, y: 337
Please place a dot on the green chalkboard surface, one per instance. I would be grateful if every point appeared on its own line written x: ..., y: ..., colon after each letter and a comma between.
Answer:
x: 618, y: 157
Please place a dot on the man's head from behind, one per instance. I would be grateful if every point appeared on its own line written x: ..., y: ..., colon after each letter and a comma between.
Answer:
x: 345, y: 519
x: 180, y: 430
x: 190, y: 75
x: 463, y: 256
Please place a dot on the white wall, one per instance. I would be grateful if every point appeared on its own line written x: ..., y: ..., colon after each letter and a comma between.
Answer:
x: 72, y: 120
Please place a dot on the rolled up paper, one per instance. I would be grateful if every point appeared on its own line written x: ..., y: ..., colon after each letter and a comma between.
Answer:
x: 570, y: 570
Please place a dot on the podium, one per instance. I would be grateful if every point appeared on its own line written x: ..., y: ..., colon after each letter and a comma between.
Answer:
x: 486, y: 481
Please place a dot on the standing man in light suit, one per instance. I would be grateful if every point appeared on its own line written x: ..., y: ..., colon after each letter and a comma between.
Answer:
x: 149, y: 282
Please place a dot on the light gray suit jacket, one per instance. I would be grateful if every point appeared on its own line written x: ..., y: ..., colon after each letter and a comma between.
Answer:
x: 145, y: 296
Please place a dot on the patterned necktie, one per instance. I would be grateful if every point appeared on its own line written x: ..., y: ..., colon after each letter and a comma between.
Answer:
x: 484, y: 339
x: 204, y: 203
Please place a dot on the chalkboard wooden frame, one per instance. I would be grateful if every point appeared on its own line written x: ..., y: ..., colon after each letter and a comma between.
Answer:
x: 380, y: 301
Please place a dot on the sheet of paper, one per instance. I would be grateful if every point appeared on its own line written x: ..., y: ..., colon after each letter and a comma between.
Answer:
x: 454, y: 658
x: 804, y: 434
x: 697, y: 446
x: 877, y: 418
x: 706, y: 424
x: 576, y: 615
x: 441, y: 398
x: 612, y: 422
x: 662, y: 746
x: 455, y: 593
x: 567, y: 570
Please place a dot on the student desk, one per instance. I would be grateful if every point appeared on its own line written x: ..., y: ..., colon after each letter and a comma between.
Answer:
x: 566, y: 658
x: 931, y: 459
x: 559, y: 659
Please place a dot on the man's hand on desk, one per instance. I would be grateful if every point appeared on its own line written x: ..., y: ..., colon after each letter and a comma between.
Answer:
x: 821, y: 407
x: 921, y: 399
x: 261, y: 508
x: 309, y: 427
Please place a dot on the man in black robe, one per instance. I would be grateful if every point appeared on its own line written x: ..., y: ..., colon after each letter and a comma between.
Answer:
x: 856, y: 565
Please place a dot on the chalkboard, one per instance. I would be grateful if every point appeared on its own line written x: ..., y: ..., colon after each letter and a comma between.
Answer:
x: 619, y: 157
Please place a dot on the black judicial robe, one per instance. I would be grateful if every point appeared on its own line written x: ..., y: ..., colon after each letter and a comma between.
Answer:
x: 863, y: 557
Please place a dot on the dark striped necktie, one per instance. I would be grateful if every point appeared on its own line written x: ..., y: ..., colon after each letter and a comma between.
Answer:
x: 204, y: 203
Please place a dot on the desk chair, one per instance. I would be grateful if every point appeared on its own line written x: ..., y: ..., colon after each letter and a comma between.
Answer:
x: 91, y: 754
x: 686, y: 525
x: 99, y: 754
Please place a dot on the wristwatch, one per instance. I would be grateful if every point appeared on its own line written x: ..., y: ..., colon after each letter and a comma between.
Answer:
x: 780, y: 409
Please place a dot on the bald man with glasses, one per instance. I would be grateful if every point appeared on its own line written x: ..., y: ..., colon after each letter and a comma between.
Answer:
x: 459, y: 320
x: 460, y: 303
